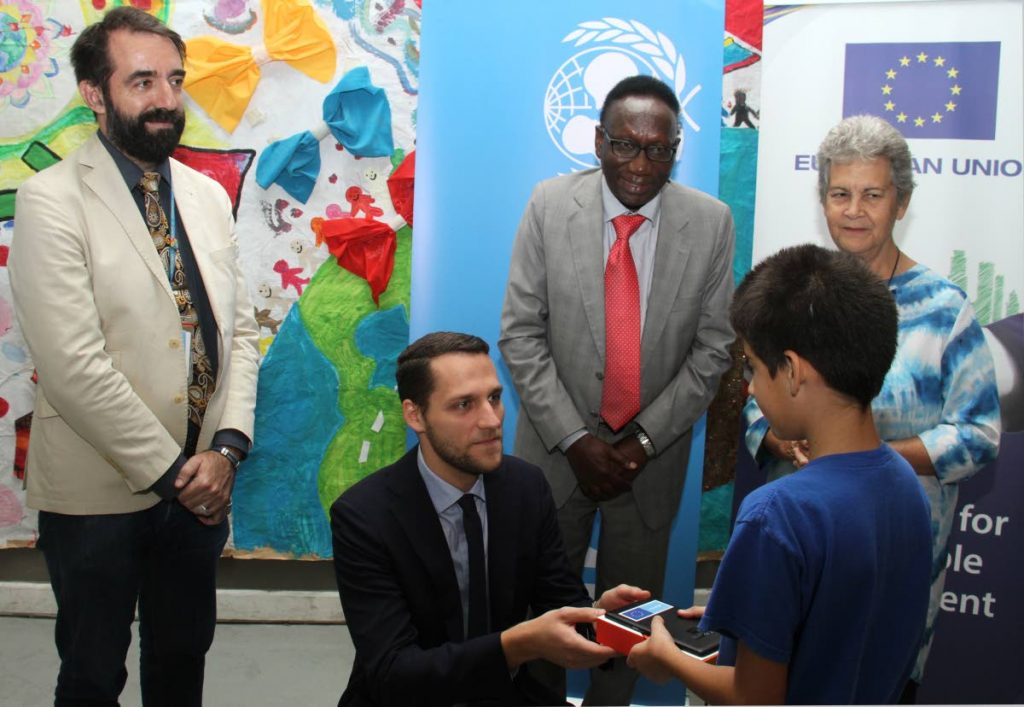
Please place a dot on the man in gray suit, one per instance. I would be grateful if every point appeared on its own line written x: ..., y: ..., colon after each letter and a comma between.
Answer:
x: 607, y: 411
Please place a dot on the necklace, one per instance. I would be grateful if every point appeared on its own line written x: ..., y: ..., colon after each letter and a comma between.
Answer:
x: 895, y: 265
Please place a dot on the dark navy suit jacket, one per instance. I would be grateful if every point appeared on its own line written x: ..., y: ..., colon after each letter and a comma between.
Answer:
x: 401, y: 599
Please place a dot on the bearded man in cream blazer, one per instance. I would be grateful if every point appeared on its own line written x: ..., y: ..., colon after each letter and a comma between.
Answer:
x: 147, y: 355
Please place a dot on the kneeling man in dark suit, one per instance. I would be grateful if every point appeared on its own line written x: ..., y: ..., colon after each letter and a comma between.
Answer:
x: 442, y: 556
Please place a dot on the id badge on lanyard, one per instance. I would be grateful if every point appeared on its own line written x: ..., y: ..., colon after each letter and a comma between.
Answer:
x: 186, y: 335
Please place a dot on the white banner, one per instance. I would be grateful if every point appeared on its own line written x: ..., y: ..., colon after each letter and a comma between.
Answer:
x: 949, y: 75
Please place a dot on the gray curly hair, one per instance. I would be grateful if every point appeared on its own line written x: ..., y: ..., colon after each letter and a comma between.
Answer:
x: 864, y: 138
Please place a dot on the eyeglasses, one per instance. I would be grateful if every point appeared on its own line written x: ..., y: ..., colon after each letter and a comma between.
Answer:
x: 627, y: 149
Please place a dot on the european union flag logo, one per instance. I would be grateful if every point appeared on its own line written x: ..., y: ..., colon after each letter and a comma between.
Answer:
x: 926, y: 89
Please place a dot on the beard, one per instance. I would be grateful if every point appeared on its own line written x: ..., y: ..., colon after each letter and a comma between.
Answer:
x: 132, y: 137
x: 462, y: 461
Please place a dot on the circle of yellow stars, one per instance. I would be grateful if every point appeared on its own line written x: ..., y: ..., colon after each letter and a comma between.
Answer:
x: 922, y: 58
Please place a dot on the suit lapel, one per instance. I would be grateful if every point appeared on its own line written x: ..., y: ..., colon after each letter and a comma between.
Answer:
x: 415, y: 513
x: 670, y: 258
x: 105, y: 181
x: 193, y: 219
x: 586, y: 224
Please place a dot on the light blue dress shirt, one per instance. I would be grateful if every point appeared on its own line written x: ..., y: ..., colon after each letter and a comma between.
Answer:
x: 445, y: 499
x: 642, y: 243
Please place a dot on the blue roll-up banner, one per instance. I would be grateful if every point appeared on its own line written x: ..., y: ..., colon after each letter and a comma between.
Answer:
x: 979, y: 635
x: 509, y: 97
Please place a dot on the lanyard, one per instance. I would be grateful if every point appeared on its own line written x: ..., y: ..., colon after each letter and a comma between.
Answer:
x: 172, y: 247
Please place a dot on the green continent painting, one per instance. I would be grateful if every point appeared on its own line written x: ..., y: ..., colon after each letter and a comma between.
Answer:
x: 326, y: 413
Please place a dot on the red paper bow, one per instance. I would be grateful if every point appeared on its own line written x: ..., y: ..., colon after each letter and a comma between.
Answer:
x: 400, y: 184
x: 363, y: 247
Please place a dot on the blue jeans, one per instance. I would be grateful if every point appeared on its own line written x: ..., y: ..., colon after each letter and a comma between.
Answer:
x: 100, y: 566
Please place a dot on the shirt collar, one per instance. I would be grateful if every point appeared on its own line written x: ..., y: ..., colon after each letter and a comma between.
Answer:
x: 613, y: 207
x: 442, y: 494
x: 131, y: 172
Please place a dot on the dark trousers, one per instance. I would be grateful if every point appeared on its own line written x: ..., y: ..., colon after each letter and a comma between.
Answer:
x: 100, y: 566
x: 909, y: 694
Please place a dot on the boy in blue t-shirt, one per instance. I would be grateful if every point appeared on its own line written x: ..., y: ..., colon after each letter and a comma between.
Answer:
x: 822, y: 593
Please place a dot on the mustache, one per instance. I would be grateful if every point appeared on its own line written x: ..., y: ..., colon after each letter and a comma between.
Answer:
x: 162, y: 115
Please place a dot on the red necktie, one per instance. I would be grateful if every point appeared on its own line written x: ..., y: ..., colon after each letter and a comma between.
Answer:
x: 620, y: 398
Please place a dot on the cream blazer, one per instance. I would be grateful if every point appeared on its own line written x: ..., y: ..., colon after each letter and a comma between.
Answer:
x: 97, y: 313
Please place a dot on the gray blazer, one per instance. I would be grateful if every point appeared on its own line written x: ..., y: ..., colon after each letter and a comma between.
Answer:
x: 552, y: 330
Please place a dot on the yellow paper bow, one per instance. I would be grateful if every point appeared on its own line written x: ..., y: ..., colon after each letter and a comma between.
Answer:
x: 221, y: 77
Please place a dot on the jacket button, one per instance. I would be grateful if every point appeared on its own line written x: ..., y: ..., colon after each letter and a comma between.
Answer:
x: 599, y: 375
x: 179, y: 399
x: 174, y: 343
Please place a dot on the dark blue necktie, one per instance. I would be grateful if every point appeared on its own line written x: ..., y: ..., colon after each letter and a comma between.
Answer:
x: 477, y: 625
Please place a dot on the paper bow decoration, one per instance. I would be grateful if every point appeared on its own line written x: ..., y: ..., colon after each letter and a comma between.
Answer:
x: 228, y: 167
x: 221, y: 77
x: 400, y: 185
x: 355, y: 112
x: 363, y: 247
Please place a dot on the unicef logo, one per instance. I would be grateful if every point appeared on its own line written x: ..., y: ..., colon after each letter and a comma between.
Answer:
x: 572, y: 102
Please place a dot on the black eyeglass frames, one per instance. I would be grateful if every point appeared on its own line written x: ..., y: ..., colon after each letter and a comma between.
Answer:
x: 627, y: 149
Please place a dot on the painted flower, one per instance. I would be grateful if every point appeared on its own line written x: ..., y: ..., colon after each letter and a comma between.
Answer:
x: 93, y: 10
x: 29, y: 48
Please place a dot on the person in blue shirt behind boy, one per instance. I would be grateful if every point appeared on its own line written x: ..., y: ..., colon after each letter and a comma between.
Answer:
x: 822, y: 592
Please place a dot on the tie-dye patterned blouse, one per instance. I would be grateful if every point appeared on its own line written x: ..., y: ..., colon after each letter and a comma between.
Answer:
x: 941, y: 388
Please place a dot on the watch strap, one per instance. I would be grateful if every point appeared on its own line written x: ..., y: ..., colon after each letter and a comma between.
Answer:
x: 230, y: 454
x: 646, y: 443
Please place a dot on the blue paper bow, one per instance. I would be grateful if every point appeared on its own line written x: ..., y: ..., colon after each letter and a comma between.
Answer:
x: 356, y: 113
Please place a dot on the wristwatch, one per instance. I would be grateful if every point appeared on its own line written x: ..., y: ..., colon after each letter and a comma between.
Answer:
x: 230, y: 455
x: 646, y: 443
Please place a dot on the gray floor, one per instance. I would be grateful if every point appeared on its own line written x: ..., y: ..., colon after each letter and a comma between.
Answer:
x: 249, y: 664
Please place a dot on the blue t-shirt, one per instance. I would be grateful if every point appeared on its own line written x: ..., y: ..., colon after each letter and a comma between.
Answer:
x: 827, y: 571
x: 941, y: 388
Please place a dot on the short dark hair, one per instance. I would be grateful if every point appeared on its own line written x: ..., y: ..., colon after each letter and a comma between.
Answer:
x: 641, y: 85
x: 827, y: 307
x: 89, y: 54
x: 414, y: 377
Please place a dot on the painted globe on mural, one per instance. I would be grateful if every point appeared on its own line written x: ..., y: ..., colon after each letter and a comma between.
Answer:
x: 572, y: 102
x: 12, y: 42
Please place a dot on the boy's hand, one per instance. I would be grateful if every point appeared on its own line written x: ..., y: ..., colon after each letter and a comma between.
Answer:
x: 694, y: 612
x: 652, y: 658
